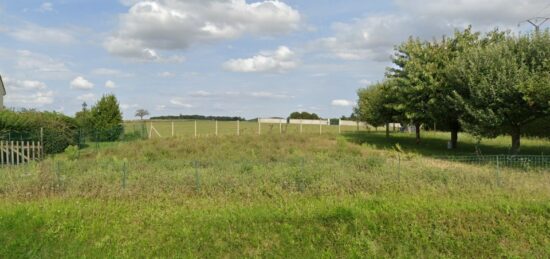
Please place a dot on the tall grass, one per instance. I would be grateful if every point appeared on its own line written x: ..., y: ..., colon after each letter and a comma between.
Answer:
x: 269, y: 196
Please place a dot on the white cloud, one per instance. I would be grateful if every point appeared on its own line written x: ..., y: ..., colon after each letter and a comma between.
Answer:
x: 81, y: 83
x: 110, y: 84
x: 38, y: 34
x: 174, y: 25
x: 180, y: 103
x: 201, y: 93
x: 128, y: 106
x: 27, y: 93
x: 38, y: 65
x: 46, y: 7
x: 373, y: 37
x: 279, y: 60
x: 270, y: 95
x: 165, y: 74
x: 36, y: 99
x: 160, y: 107
x: 343, y: 103
x: 89, y: 97
x: 23, y: 85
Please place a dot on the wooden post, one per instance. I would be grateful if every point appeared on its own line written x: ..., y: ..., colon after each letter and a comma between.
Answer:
x: 33, y: 151
x: 216, y: 128
x: 2, y: 153
x: 195, y: 128
x: 320, y: 127
x: 172, y: 129
x: 301, y: 126
x: 259, y: 127
x: 16, y: 152
x: 150, y: 130
x: 280, y: 127
x: 238, y: 127
x: 42, y: 135
x: 339, y: 126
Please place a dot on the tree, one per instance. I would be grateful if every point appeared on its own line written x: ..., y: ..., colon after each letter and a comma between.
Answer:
x: 84, y: 119
x: 142, y: 113
x: 304, y: 116
x: 503, y: 80
x: 107, y: 119
x: 413, y: 77
x: 376, y: 105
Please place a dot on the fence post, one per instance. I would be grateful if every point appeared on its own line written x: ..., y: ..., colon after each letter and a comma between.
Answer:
x: 320, y: 127
x: 195, y: 128
x: 301, y: 126
x: 216, y: 127
x: 259, y: 127
x: 172, y: 129
x: 197, y: 177
x: 498, y: 171
x: 238, y: 127
x: 280, y: 128
x: 339, y: 126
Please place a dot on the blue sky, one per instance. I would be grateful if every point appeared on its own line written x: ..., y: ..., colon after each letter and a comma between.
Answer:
x: 221, y: 57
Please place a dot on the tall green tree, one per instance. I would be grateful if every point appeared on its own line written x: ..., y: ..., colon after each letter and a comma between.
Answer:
x: 107, y: 119
x: 502, y: 90
x: 414, y: 75
x: 376, y: 105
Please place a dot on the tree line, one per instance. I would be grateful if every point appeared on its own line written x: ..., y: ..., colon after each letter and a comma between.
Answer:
x: 484, y: 84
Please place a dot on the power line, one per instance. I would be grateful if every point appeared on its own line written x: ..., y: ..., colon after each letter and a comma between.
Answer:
x: 537, y: 22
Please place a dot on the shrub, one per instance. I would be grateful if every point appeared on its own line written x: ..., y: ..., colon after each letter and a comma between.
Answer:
x: 72, y: 152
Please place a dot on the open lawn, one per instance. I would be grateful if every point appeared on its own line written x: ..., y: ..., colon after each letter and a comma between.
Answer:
x: 275, y: 196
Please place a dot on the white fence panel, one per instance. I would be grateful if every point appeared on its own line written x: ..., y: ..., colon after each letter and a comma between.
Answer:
x: 272, y: 121
x: 309, y: 122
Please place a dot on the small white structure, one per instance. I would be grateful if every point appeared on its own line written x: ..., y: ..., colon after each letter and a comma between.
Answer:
x: 2, y: 93
x: 272, y: 121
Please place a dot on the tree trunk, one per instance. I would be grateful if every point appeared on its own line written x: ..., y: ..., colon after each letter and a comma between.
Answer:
x: 417, y: 128
x: 454, y: 134
x: 387, y: 130
x: 516, y: 139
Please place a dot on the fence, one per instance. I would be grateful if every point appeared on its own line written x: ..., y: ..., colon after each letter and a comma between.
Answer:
x: 200, y: 128
x: 20, y: 152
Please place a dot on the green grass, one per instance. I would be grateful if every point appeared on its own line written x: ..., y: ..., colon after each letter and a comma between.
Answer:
x: 272, y: 196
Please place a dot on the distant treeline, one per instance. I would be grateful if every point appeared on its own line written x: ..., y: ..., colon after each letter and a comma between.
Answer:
x: 197, y: 117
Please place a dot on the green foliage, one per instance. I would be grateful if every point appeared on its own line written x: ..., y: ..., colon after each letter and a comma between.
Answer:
x: 72, y: 153
x: 377, y: 104
x: 59, y: 131
x: 304, y: 116
x: 107, y: 119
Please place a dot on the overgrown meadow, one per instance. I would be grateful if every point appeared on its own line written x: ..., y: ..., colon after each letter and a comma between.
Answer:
x: 357, y: 195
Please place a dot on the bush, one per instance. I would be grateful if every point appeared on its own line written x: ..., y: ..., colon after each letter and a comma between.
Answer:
x: 72, y: 153
x: 59, y: 131
x: 107, y: 119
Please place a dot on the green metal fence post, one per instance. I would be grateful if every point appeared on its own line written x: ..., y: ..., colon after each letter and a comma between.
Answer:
x: 498, y: 171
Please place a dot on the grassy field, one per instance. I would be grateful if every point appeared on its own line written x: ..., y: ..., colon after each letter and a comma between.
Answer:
x: 275, y: 196
x: 186, y: 128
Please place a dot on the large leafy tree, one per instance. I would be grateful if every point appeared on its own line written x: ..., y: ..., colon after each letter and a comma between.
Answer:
x: 414, y: 75
x: 503, y: 82
x: 107, y: 119
x: 377, y: 104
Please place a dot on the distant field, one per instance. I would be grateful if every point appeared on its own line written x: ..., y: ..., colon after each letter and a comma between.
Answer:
x: 289, y: 196
x: 186, y: 128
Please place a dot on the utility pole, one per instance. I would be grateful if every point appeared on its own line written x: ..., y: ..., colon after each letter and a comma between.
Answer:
x: 537, y: 22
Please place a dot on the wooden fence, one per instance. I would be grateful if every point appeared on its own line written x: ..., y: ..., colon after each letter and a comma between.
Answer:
x: 20, y: 152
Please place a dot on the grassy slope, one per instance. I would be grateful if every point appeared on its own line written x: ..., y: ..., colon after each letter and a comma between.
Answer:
x: 257, y: 198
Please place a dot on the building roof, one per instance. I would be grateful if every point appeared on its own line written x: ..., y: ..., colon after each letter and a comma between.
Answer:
x: 2, y: 88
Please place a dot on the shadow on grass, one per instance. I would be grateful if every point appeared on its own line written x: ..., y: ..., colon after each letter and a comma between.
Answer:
x: 435, y: 144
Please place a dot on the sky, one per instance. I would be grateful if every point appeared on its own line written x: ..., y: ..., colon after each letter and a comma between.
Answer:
x: 248, y: 58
